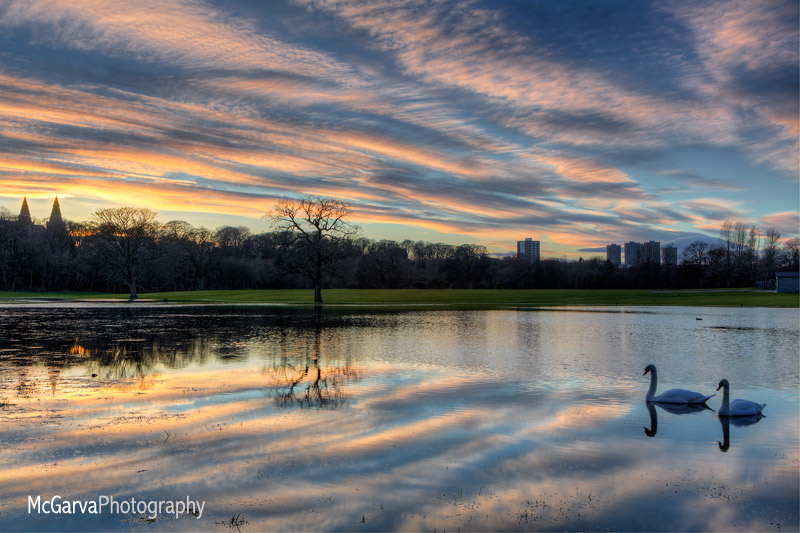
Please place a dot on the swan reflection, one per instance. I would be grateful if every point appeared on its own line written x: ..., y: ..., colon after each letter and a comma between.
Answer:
x: 738, y: 421
x: 651, y: 408
x: 674, y: 408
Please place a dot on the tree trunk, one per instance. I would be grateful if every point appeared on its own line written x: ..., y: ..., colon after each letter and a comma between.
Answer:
x: 317, y: 292
x: 132, y: 285
x: 318, y: 274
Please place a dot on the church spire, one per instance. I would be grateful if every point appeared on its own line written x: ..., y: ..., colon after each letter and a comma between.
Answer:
x: 56, y: 222
x: 25, y: 213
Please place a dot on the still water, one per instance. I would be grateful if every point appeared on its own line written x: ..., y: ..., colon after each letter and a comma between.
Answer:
x: 428, y: 420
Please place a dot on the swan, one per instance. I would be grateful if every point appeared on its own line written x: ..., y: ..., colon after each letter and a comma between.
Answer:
x: 737, y: 407
x: 672, y: 395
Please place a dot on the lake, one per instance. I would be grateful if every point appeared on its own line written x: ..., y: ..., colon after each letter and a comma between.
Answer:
x: 287, y: 419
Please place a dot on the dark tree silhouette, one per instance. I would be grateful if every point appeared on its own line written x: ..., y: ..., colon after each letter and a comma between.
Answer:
x: 124, y: 233
x: 313, y: 227
x: 792, y: 247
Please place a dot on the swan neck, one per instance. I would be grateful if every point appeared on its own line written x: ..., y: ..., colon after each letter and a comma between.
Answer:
x: 651, y: 392
x: 725, y: 401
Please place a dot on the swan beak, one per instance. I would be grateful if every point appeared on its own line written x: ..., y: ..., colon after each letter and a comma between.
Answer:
x: 645, y: 372
x: 720, y: 386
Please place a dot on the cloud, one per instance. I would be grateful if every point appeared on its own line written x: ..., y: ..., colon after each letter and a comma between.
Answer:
x: 694, y: 181
x: 454, y: 117
x: 190, y: 34
x: 750, y: 64
x: 475, y: 50
x: 714, y: 209
x: 787, y: 223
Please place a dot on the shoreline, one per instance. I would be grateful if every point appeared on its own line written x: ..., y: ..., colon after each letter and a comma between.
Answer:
x: 476, y: 299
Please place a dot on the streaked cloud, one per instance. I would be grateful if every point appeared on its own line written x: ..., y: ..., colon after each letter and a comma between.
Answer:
x: 786, y: 223
x: 482, y: 123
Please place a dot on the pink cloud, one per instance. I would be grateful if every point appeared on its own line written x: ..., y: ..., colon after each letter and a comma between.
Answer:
x: 787, y: 222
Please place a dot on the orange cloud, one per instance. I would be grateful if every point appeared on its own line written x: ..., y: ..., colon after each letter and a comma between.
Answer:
x: 584, y: 170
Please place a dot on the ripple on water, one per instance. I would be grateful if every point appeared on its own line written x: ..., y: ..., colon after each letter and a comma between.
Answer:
x: 422, y: 420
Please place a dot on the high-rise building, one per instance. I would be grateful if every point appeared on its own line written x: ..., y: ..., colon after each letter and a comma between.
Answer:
x: 669, y: 256
x: 652, y: 252
x: 633, y: 253
x: 614, y: 254
x: 528, y: 249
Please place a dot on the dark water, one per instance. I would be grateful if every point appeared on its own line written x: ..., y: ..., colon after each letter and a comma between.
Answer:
x: 484, y: 420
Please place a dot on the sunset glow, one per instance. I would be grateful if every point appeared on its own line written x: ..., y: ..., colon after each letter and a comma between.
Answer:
x: 482, y: 123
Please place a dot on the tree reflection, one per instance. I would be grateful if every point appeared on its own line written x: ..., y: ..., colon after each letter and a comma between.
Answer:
x: 307, y: 383
x: 121, y: 345
x: 111, y: 344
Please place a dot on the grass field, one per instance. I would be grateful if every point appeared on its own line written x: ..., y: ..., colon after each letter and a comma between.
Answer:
x: 449, y: 298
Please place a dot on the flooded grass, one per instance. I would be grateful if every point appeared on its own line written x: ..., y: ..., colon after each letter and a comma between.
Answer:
x: 460, y: 298
x: 498, y: 420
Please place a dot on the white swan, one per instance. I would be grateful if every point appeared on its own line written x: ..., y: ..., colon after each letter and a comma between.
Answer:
x: 737, y: 407
x: 672, y: 395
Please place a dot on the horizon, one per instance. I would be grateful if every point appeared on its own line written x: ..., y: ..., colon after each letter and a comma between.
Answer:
x: 576, y: 126
x: 698, y: 236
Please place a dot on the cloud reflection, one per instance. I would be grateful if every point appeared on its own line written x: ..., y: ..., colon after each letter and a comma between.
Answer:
x: 421, y: 442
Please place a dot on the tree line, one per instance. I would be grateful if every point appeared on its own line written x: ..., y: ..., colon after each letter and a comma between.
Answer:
x: 311, y: 244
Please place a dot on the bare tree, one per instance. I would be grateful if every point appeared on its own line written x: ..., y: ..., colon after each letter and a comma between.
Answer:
x: 696, y: 253
x: 124, y: 233
x: 201, y: 252
x: 383, y: 264
x: 740, y: 247
x: 232, y: 238
x: 727, y: 235
x: 769, y: 257
x: 313, y: 227
x: 196, y: 245
x: 792, y: 247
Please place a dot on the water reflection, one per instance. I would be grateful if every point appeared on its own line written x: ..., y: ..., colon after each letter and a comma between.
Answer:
x: 683, y: 409
x: 672, y: 408
x: 738, y: 421
x: 308, y: 382
x: 651, y: 409
x: 408, y: 421
x: 117, y: 346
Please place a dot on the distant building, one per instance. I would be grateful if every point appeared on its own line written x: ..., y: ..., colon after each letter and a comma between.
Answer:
x: 614, y: 254
x: 24, y: 217
x: 54, y: 225
x: 633, y: 253
x: 56, y: 222
x: 787, y: 282
x: 669, y: 256
x: 528, y: 249
x: 651, y: 252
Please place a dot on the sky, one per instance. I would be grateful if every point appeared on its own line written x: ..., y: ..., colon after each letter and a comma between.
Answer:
x: 578, y: 124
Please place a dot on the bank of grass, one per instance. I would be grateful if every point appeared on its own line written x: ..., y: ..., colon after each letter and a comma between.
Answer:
x: 451, y: 298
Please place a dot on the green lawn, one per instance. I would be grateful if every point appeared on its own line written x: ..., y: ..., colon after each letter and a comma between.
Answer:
x: 454, y: 297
